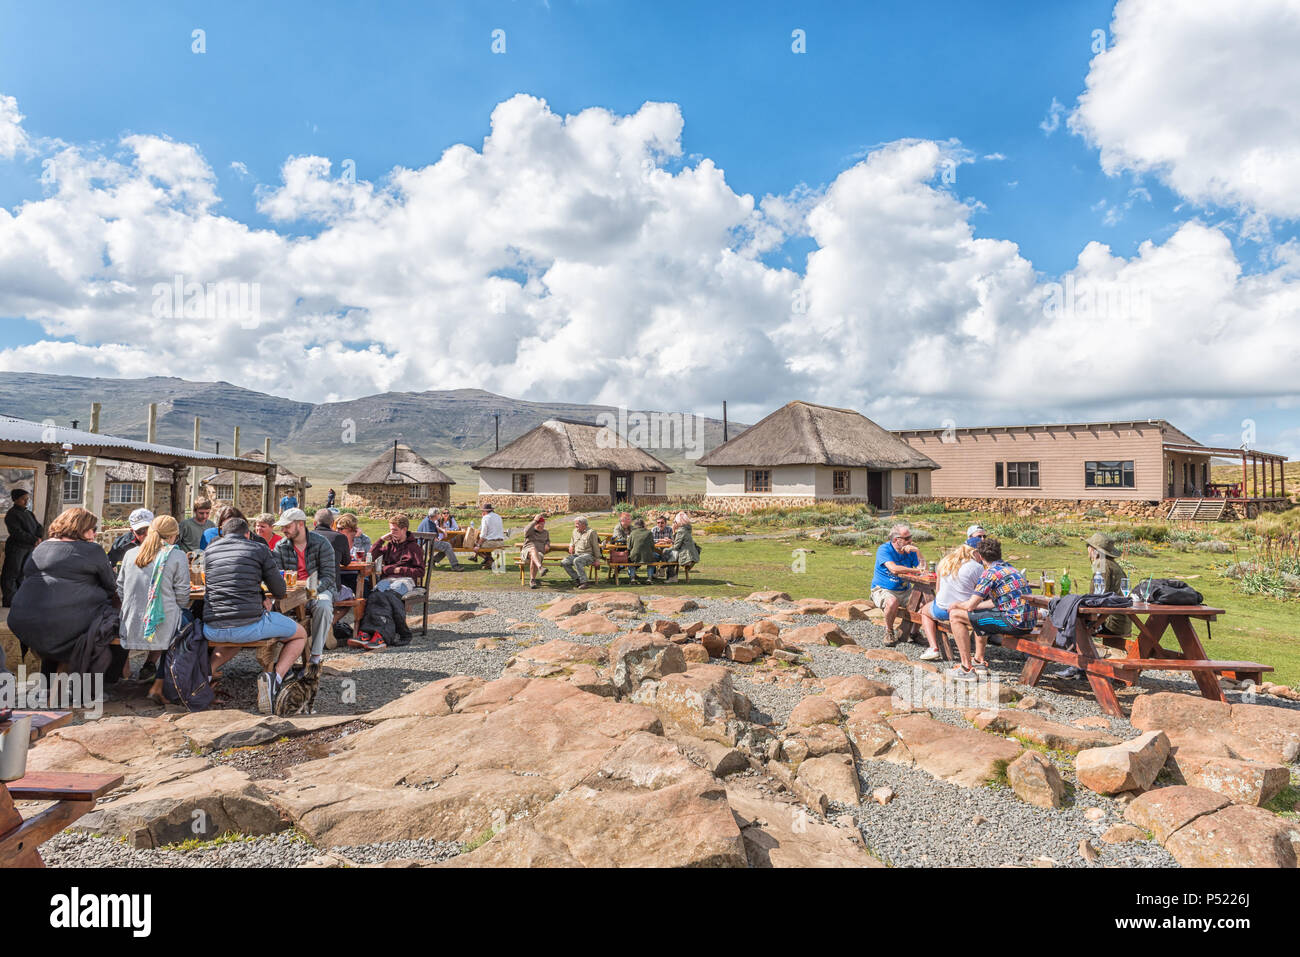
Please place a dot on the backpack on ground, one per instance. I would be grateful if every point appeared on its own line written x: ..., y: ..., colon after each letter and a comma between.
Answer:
x: 184, y: 670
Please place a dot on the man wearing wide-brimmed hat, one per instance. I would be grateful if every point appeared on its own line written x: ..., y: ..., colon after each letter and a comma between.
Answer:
x: 1104, y: 557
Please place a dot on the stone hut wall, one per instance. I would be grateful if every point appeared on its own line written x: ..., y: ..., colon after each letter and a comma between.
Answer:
x: 382, y: 495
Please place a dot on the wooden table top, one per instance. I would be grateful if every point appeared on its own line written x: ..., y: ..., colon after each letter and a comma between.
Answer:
x: 43, y: 722
x: 1139, y: 608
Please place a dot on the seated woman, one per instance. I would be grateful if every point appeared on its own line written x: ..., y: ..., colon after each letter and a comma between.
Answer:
x: 641, y: 551
x: 154, y: 586
x: 684, y: 552
x: 537, y: 541
x: 67, y: 590
x: 957, y: 571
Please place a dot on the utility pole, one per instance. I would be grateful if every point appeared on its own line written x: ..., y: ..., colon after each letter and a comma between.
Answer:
x: 152, y: 436
x: 88, y: 483
x: 194, y: 472
x: 268, y: 483
x: 497, y: 441
x: 724, y: 420
x: 237, y: 497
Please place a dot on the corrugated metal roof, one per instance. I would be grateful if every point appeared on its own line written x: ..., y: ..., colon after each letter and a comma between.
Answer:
x: 23, y: 437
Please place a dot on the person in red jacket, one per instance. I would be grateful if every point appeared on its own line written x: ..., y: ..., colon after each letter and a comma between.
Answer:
x: 400, y: 557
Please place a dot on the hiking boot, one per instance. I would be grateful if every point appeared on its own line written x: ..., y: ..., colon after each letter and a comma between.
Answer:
x: 1069, y: 671
x: 265, y: 691
x: 891, y: 638
x: 148, y: 671
x: 532, y: 583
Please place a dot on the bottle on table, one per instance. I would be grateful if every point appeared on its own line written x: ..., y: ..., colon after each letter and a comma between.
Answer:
x: 1065, y: 581
x: 1098, y: 583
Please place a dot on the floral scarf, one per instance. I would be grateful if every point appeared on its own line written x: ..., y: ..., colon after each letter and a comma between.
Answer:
x: 156, y: 611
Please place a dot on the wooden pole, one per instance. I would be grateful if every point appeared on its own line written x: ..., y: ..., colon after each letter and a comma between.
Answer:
x: 1244, y: 478
x: 236, y: 496
x: 268, y: 482
x: 152, y: 437
x: 53, y: 487
x: 88, y: 499
x: 178, y: 493
x: 194, y: 472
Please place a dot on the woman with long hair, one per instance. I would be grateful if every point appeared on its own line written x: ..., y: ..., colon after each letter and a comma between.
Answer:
x: 957, y: 573
x: 67, y: 584
x: 154, y: 585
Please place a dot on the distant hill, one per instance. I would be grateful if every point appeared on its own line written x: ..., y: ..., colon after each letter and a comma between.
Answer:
x: 452, y: 429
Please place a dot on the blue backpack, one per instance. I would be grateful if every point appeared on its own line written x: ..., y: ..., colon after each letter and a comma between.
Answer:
x: 185, y: 673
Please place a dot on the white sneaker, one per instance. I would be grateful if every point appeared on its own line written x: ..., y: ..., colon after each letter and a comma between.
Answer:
x: 930, y: 655
x: 265, y: 692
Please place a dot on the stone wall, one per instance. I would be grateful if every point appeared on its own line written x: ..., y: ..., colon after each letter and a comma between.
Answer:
x: 250, y: 498
x: 162, y: 505
x: 549, y: 503
x: 382, y: 495
x: 744, y: 504
x: 1029, y: 507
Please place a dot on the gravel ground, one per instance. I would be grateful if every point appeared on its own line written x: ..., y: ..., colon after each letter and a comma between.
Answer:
x: 929, y: 822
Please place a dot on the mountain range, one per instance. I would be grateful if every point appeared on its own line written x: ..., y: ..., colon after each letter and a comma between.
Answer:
x: 325, y: 441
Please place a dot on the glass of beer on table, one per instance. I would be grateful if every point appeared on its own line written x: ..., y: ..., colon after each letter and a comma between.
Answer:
x: 291, y: 579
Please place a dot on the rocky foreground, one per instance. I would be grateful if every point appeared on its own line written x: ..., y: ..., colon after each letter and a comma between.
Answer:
x: 618, y: 729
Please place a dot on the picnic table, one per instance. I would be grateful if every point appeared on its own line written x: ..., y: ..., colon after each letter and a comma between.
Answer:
x: 365, y: 570
x: 1142, y: 653
x: 73, y: 794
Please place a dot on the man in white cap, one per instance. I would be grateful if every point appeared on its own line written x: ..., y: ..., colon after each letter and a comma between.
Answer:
x: 138, y: 523
x: 976, y: 531
x: 309, y: 553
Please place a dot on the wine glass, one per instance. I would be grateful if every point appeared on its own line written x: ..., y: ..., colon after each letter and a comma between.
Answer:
x: 1123, y: 586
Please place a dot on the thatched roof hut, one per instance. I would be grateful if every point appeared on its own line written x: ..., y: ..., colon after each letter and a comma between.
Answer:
x: 801, y: 433
x: 398, y: 478
x: 283, y: 476
x: 570, y: 444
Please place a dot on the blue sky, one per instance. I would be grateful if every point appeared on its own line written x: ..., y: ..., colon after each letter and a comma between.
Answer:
x: 395, y: 84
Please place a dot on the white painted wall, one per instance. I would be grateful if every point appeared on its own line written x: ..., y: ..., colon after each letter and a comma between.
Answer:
x: 786, y: 480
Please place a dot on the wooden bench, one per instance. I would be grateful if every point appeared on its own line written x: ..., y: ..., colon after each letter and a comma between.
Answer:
x: 74, y: 795
x: 553, y: 562
x: 945, y: 631
x: 613, y: 568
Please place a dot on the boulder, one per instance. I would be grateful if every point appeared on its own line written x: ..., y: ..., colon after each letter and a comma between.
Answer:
x: 1123, y: 834
x: 958, y: 755
x: 1163, y: 811
x: 834, y: 775
x: 822, y: 633
x: 454, y: 617
x: 1131, y: 766
x: 642, y: 805
x: 1236, y: 836
x: 783, y: 834
x: 766, y: 597
x: 713, y: 643
x: 436, y: 698
x: 814, y: 709
x: 588, y: 623
x: 1036, y: 729
x: 639, y: 657
x: 615, y: 601
x: 850, y: 610
x: 850, y: 689
x: 552, y: 658
x: 1036, y: 781
x: 200, y: 806
x: 1254, y: 732
x: 731, y: 631
x: 815, y: 741
x: 813, y: 606
x: 563, y: 608
x: 250, y: 730
x: 695, y: 653
x: 871, y: 733
x: 700, y: 701
x: 666, y: 627
x: 744, y: 652
x: 1241, y: 782
x: 506, y: 751
x: 672, y: 606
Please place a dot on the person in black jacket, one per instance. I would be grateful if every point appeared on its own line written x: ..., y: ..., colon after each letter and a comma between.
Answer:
x: 235, y: 611
x: 67, y: 587
x: 24, y: 533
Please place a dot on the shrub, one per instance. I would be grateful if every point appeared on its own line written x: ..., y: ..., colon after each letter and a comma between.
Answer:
x: 1218, y: 548
x: 925, y: 508
x: 1094, y: 513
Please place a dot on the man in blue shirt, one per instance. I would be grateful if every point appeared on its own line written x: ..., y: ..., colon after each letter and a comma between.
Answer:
x: 288, y: 501
x: 888, y: 591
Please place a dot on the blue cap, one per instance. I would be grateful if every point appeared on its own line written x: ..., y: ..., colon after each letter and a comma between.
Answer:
x: 974, y: 541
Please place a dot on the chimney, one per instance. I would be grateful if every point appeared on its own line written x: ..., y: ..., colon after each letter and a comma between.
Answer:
x: 724, y: 420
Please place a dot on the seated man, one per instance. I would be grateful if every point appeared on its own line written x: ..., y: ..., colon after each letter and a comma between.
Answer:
x: 192, y: 528
x: 491, y: 533
x: 138, y: 523
x: 622, y: 530
x: 438, y: 547
x: 584, y: 552
x: 235, y: 610
x: 999, y: 606
x: 888, y: 591
x: 401, y: 557
x: 309, y: 553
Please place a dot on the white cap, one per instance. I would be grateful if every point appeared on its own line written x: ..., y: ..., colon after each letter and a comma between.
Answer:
x: 291, y: 515
x: 974, y: 530
x: 140, y: 518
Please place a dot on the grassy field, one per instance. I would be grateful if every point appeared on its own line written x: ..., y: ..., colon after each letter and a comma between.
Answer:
x: 808, y: 560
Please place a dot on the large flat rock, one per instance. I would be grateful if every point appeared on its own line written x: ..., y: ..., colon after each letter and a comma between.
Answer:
x: 958, y: 755
x: 1254, y: 732
x: 783, y: 834
x: 1237, y: 836
x: 1039, y: 730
